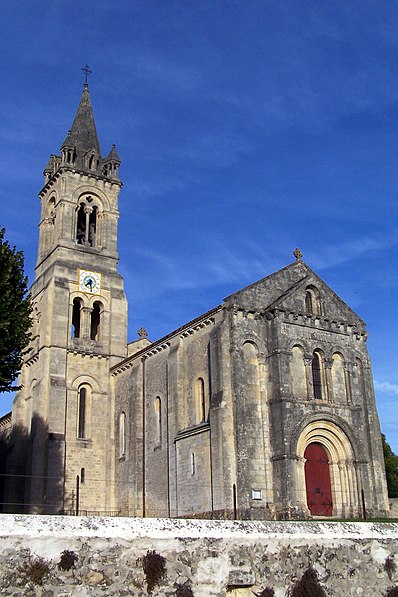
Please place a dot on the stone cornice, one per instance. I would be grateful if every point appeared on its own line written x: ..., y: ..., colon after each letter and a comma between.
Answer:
x: 63, y: 168
x: 195, y: 328
x: 322, y: 323
x: 183, y: 332
x: 200, y: 428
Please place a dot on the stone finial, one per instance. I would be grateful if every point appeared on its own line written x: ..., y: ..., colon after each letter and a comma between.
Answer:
x: 298, y: 254
x: 142, y: 333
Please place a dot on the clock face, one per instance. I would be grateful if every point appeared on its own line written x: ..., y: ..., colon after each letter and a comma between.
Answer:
x: 89, y: 282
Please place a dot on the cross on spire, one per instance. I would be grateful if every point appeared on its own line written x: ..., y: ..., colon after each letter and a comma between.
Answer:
x: 87, y: 72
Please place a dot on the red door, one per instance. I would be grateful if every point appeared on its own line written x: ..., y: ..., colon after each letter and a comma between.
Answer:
x: 317, y: 481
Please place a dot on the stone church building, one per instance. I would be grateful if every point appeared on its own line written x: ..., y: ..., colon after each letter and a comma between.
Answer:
x: 261, y: 408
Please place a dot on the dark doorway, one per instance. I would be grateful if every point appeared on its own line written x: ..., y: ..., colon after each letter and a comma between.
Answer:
x: 317, y: 481
x: 95, y: 321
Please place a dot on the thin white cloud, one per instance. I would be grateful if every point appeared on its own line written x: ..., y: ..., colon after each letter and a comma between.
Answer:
x: 333, y: 255
x: 151, y: 187
x: 217, y: 265
x: 386, y: 387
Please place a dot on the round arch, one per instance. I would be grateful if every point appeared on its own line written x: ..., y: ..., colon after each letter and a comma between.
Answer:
x: 299, y: 343
x: 48, y: 204
x: 94, y: 298
x: 341, y: 459
x: 85, y: 380
x: 101, y: 199
x: 251, y: 338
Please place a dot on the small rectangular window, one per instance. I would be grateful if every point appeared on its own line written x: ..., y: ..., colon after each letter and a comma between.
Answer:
x: 257, y: 494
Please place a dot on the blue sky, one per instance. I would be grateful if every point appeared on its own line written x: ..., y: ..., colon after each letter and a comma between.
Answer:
x: 245, y: 128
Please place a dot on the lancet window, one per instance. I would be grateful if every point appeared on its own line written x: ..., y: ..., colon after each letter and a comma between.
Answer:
x: 316, y: 367
x: 86, y: 226
x: 82, y: 413
x: 95, y: 325
x: 158, y: 420
x: 122, y: 435
x: 92, y: 160
x: 312, y: 301
x: 76, y: 317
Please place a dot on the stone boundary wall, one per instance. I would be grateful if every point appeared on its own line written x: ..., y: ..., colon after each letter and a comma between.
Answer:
x: 201, y: 558
x: 393, y: 507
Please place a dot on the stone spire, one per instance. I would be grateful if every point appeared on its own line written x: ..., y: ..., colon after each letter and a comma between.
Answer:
x: 83, y: 136
x: 81, y: 149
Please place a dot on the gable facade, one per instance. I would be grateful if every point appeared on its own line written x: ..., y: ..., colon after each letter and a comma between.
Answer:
x: 224, y: 412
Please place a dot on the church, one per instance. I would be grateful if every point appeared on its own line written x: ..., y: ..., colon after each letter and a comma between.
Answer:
x: 261, y: 408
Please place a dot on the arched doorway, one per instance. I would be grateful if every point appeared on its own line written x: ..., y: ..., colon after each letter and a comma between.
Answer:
x: 317, y: 480
x: 339, y: 454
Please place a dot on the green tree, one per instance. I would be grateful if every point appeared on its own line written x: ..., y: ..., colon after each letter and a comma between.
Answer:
x: 15, y: 311
x: 391, y: 464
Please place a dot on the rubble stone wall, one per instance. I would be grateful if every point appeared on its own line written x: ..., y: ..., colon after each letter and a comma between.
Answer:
x: 109, y: 556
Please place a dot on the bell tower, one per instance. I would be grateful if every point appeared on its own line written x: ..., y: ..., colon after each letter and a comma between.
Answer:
x: 64, y: 409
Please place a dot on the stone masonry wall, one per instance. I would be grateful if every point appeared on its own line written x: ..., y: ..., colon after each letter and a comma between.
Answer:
x: 201, y: 558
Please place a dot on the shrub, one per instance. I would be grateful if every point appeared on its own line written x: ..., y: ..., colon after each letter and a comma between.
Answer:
x: 36, y: 570
x: 307, y: 586
x: 154, y: 568
x: 68, y: 560
x: 390, y: 566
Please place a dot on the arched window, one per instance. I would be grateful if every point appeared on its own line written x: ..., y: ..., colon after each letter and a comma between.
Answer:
x: 51, y: 210
x: 76, y: 317
x: 92, y: 227
x: 81, y: 225
x: 82, y: 413
x: 82, y: 476
x: 308, y: 303
x: 47, y: 233
x: 158, y: 420
x: 95, y: 327
x: 122, y: 435
x: 92, y: 160
x: 312, y: 301
x: 316, y: 367
x: 86, y: 223
x: 193, y: 464
x: 200, y: 401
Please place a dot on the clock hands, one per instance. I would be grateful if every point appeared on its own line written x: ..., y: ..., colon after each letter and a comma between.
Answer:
x: 90, y: 282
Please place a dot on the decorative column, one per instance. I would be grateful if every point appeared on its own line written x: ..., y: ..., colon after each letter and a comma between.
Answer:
x: 347, y: 381
x: 85, y: 322
x: 87, y: 211
x: 99, y: 233
x: 328, y: 386
x: 308, y: 375
x: 343, y: 488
